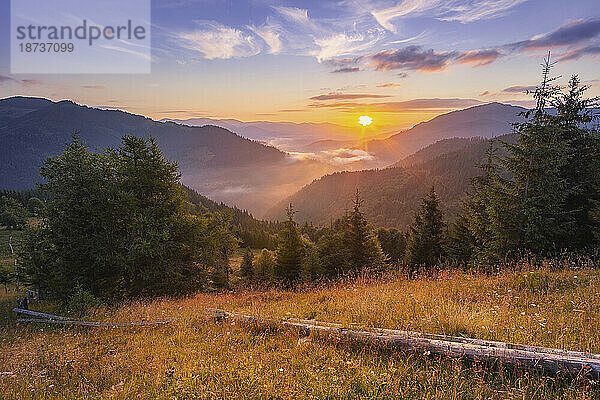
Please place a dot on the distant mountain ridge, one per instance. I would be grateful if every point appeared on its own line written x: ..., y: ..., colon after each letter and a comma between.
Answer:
x: 212, y: 160
x: 486, y: 121
x: 288, y: 136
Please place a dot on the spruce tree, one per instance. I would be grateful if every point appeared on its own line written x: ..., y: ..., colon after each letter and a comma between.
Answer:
x: 543, y: 195
x: 246, y: 268
x: 361, y: 241
x: 264, y: 268
x: 117, y: 225
x: 290, y: 251
x: 425, y: 237
x: 574, y: 123
x: 537, y: 186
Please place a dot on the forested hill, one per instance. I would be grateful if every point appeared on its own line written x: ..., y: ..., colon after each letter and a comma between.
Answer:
x: 212, y: 160
x: 392, y: 195
x: 487, y: 121
x: 253, y: 232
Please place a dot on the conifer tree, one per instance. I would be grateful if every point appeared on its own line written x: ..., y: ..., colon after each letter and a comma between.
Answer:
x: 246, y: 268
x: 264, y: 268
x: 361, y: 241
x: 117, y: 225
x: 425, y: 237
x: 542, y: 196
x: 290, y: 251
x: 536, y: 187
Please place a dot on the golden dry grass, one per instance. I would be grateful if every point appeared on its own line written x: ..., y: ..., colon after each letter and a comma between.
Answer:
x: 196, y: 357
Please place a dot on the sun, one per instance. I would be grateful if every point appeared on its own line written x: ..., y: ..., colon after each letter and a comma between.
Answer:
x: 365, y: 120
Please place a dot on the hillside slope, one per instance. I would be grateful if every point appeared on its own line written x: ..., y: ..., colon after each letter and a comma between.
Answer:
x: 392, y: 195
x: 212, y: 160
x: 195, y: 358
x: 486, y: 121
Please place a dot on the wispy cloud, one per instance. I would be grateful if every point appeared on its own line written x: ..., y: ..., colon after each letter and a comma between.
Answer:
x: 448, y: 10
x: 99, y: 87
x: 4, y: 78
x: 473, y: 10
x: 389, y: 84
x: 346, y: 70
x: 23, y: 82
x: 411, y: 58
x: 270, y: 37
x: 570, y: 33
x: 342, y: 44
x: 416, y: 105
x: 519, y: 89
x: 575, y: 54
x: 348, y: 96
x: 297, y: 15
x: 214, y: 41
x: 479, y: 58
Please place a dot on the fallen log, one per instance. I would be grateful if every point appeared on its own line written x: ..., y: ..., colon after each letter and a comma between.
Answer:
x: 93, y: 323
x: 19, y: 311
x: 546, y: 360
x: 43, y: 318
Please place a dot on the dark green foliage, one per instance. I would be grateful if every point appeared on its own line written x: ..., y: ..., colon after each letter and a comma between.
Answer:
x: 425, y: 237
x: 365, y: 250
x: 264, y: 267
x: 118, y: 226
x: 252, y: 232
x: 460, y: 242
x: 6, y: 277
x: 246, y: 268
x: 290, y: 251
x: 81, y: 301
x: 36, y: 206
x: 542, y: 196
x: 334, y: 254
x: 12, y: 214
x: 393, y: 244
x: 312, y: 268
x: 348, y: 245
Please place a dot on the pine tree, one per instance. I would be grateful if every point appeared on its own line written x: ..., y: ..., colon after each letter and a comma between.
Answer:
x: 541, y: 197
x: 361, y: 241
x: 536, y: 183
x: 290, y: 251
x: 574, y: 119
x: 264, y: 268
x: 118, y: 226
x: 246, y: 268
x: 425, y: 237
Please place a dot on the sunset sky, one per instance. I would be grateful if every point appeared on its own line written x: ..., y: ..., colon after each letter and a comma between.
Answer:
x: 399, y: 62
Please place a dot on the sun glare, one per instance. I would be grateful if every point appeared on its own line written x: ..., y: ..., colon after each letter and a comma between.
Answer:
x: 365, y: 120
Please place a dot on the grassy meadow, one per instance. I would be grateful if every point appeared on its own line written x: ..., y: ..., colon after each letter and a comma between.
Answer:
x: 195, y: 357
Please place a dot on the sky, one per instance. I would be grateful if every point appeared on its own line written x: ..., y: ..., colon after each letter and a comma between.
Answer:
x: 400, y: 62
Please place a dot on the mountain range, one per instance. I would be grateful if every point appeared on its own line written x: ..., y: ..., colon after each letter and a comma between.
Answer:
x: 220, y: 163
x: 486, y: 121
x: 212, y: 160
